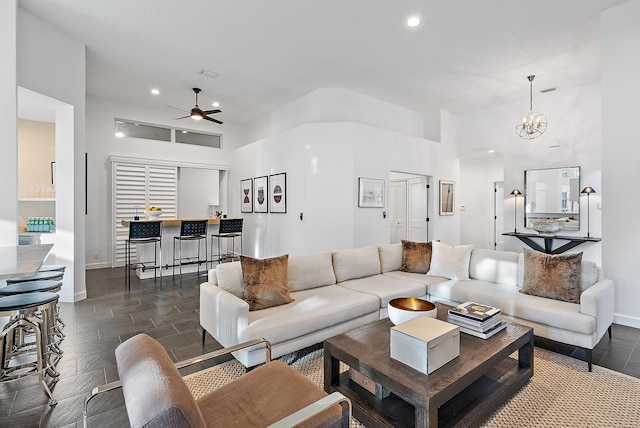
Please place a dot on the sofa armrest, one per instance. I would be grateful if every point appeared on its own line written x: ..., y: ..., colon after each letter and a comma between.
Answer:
x: 597, y: 301
x: 222, y: 314
x: 316, y: 408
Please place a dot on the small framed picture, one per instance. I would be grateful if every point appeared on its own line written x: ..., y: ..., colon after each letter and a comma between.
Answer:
x: 278, y: 192
x: 246, y: 195
x: 261, y: 194
x: 370, y: 193
x: 447, y: 197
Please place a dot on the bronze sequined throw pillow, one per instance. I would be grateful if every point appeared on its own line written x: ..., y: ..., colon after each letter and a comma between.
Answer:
x: 265, y: 281
x: 416, y: 256
x: 552, y: 276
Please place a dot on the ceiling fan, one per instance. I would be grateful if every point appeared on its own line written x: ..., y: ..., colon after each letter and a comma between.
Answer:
x: 197, y: 113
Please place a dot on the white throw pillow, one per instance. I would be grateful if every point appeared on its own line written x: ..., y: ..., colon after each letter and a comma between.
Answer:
x: 450, y: 261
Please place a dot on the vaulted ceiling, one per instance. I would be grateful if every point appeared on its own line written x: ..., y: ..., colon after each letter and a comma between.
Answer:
x: 463, y: 56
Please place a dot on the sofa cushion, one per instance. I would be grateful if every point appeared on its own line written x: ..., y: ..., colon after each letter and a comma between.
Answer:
x: 356, y: 263
x: 450, y: 261
x: 554, y: 313
x: 552, y: 276
x: 390, y: 257
x: 265, y: 281
x: 311, y: 311
x: 416, y: 256
x: 310, y: 271
x: 154, y: 392
x: 229, y: 278
x: 494, y: 266
x: 415, y: 277
x: 385, y: 287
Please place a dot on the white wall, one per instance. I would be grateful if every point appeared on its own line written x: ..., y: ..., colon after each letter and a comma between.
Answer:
x: 620, y: 156
x: 476, y: 194
x: 574, y: 117
x: 323, y: 161
x: 102, y: 143
x: 52, y: 63
x: 197, y: 188
x: 338, y: 105
x: 8, y: 123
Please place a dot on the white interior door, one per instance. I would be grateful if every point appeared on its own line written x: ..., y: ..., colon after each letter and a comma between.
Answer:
x: 418, y: 209
x: 498, y: 216
x: 397, y: 211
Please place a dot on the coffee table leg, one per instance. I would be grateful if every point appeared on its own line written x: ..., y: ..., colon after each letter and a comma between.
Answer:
x: 426, y: 418
x: 331, y: 371
x: 525, y: 354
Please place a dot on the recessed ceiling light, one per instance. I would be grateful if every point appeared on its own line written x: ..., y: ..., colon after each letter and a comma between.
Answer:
x: 154, y: 91
x: 184, y: 132
x: 119, y: 134
x: 414, y: 21
x: 491, y: 151
x: 215, y: 104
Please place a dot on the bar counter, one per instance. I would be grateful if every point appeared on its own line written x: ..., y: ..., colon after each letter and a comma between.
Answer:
x: 170, y: 230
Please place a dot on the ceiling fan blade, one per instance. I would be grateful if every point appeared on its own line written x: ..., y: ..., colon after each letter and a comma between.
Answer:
x: 187, y: 111
x: 183, y: 117
x: 212, y: 120
x: 212, y: 111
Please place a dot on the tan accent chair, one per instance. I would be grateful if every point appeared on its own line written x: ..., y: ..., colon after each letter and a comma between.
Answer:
x: 271, y: 395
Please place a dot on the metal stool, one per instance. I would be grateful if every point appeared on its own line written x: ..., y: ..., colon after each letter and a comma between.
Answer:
x: 52, y: 268
x: 34, y: 287
x: 143, y: 232
x: 190, y: 230
x: 31, y: 313
x: 38, y: 276
x: 229, y: 229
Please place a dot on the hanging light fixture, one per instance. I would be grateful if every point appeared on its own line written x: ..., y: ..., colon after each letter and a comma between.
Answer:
x: 533, y: 124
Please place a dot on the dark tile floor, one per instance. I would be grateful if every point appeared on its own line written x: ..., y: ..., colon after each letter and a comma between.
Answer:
x: 169, y: 313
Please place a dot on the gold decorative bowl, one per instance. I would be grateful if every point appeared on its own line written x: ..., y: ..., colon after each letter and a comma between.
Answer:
x: 404, y: 309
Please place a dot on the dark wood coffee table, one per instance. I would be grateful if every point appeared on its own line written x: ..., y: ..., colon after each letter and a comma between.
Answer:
x: 463, y: 392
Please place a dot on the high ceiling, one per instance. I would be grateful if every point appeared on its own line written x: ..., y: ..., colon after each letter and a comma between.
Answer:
x: 464, y: 55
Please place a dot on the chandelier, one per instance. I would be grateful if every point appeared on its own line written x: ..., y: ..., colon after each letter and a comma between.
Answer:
x: 533, y: 124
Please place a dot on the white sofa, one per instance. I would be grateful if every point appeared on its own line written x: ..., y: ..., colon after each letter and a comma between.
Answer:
x: 339, y: 291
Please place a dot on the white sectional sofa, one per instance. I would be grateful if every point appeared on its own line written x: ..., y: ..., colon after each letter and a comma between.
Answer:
x: 335, y: 292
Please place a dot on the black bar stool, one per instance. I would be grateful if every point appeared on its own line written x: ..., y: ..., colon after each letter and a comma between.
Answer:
x: 230, y: 228
x: 32, y: 312
x: 143, y: 232
x: 190, y: 230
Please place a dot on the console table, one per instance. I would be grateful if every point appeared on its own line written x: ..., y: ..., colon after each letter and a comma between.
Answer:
x: 548, y: 241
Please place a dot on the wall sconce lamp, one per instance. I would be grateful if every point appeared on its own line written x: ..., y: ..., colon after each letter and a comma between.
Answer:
x: 515, y: 193
x: 588, y: 190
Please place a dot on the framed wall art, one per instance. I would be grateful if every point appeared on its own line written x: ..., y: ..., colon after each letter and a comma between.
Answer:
x: 246, y: 195
x: 278, y: 192
x: 370, y: 193
x: 261, y: 194
x: 447, y: 197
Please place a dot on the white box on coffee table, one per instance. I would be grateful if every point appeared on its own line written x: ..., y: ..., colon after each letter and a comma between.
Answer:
x: 425, y: 343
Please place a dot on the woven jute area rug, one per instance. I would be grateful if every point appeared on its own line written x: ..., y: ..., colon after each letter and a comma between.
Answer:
x: 562, y: 393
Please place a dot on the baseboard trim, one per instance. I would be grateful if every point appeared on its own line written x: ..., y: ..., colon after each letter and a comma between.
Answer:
x: 101, y: 265
x: 80, y: 296
x: 628, y: 320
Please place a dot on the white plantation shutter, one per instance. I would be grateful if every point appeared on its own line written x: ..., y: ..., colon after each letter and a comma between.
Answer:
x: 141, y: 186
x: 162, y: 190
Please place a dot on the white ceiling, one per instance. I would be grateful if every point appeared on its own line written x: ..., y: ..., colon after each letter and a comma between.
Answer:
x: 465, y: 54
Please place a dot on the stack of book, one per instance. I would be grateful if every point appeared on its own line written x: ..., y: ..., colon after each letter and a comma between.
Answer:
x: 476, y: 319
